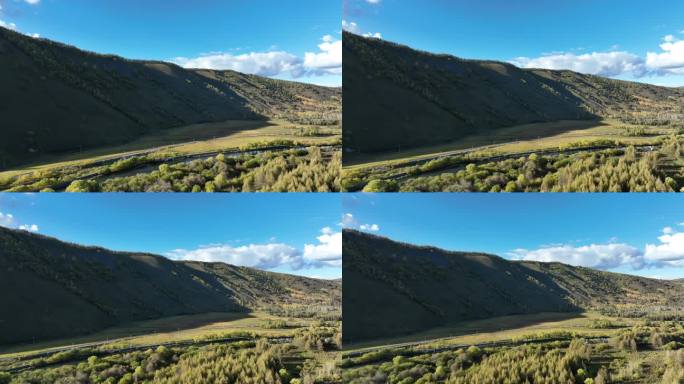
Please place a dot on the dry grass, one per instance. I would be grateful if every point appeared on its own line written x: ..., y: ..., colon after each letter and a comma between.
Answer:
x: 167, y: 329
x: 520, y: 138
x: 494, y: 329
x: 196, y: 138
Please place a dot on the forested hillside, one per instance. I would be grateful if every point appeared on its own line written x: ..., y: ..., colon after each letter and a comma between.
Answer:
x: 398, y: 97
x: 54, y: 289
x: 57, y: 98
x: 418, y: 287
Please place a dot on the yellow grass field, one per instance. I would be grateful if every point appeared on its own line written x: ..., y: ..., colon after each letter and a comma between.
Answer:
x: 176, y: 328
x: 520, y: 138
x: 196, y: 138
x: 494, y: 329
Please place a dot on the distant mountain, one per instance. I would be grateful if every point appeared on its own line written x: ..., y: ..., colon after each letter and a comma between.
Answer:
x: 397, y: 97
x: 51, y: 289
x: 56, y: 98
x: 392, y: 288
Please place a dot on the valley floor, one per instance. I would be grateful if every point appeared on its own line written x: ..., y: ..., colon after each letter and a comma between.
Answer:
x: 557, y: 156
x: 250, y: 146
x: 589, y: 348
x: 219, y: 347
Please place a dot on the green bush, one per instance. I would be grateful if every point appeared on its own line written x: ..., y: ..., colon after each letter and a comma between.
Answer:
x: 379, y: 185
x: 83, y: 186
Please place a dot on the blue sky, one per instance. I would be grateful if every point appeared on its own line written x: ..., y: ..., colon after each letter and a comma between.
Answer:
x: 283, y: 39
x: 291, y: 233
x: 605, y: 37
x: 634, y: 233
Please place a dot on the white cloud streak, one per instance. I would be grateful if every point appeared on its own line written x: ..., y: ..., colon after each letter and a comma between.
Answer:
x: 9, y: 221
x: 6, y: 220
x: 258, y: 63
x: 8, y: 25
x: 326, y: 61
x: 667, y: 252
x: 30, y: 228
x: 327, y: 252
x: 354, y: 28
x: 369, y: 227
x: 263, y: 256
x: 600, y: 256
x: 596, y: 63
x: 351, y: 26
x: 670, y: 60
x: 670, y: 251
x: 349, y: 221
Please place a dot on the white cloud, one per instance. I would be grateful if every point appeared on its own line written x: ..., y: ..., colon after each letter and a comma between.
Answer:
x: 264, y: 256
x: 32, y: 2
x: 354, y: 28
x: 373, y: 1
x: 30, y: 228
x: 328, y: 60
x: 35, y: 35
x: 258, y: 63
x: 349, y: 221
x: 369, y: 227
x: 670, y: 60
x: 600, y: 256
x: 9, y: 221
x: 376, y: 35
x: 351, y: 26
x: 328, y: 250
x: 8, y: 25
x: 596, y: 63
x: 6, y: 220
x: 670, y: 251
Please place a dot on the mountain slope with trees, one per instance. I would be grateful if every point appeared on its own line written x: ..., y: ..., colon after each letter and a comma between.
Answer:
x: 398, y: 97
x: 57, y: 98
x: 52, y: 289
x: 417, y: 287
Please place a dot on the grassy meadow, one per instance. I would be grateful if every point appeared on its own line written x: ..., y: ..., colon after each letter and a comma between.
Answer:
x: 280, y: 151
x: 606, y: 155
x: 587, y: 348
x: 219, y: 347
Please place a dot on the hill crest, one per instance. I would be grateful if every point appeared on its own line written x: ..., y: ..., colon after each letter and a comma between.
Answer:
x: 52, y: 289
x: 399, y: 97
x: 57, y: 98
x: 418, y: 287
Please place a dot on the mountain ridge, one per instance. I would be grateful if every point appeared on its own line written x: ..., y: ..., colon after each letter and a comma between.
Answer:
x: 399, y: 97
x: 420, y: 287
x: 58, y: 98
x: 53, y: 289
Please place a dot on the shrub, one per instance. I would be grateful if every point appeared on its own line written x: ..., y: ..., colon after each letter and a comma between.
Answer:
x: 83, y: 186
x: 379, y: 185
